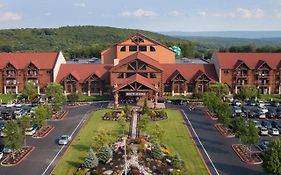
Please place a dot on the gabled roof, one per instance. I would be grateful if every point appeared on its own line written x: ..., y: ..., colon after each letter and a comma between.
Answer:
x: 139, y: 56
x: 227, y: 60
x: 188, y: 71
x: 83, y: 71
x: 176, y: 73
x: 42, y: 60
x: 136, y: 78
x: 35, y: 63
x: 261, y: 63
x: 199, y: 74
x: 239, y: 63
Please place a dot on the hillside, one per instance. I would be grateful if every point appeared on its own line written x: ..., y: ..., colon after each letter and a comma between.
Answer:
x: 77, y: 41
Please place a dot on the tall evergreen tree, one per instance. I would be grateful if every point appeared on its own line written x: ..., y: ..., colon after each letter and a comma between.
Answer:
x: 91, y: 161
x: 105, y: 153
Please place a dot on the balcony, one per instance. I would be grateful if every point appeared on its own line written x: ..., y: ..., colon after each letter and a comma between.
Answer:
x: 31, y: 75
x: 34, y: 82
x: 263, y: 76
x: 241, y: 75
x: 10, y: 75
x: 10, y: 83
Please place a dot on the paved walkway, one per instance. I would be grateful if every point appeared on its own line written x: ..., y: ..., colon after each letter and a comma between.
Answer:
x: 134, y: 123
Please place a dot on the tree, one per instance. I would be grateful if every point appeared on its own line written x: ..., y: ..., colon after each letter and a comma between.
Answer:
x: 91, y: 161
x: 101, y: 138
x: 224, y: 113
x: 55, y: 92
x: 13, y: 136
x: 145, y: 108
x: 177, y: 162
x: 30, y: 91
x: 219, y: 89
x: 156, y: 152
x: 105, y: 153
x: 127, y: 110
x: 250, y: 135
x: 248, y: 92
x: 122, y: 124
x: 24, y: 123
x: 143, y: 122
x: 42, y: 112
x: 272, y: 157
x: 239, y: 126
x: 211, y: 100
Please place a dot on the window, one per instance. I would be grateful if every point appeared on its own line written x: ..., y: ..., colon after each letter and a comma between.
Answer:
x: 225, y: 71
x: 152, y: 49
x: 152, y: 75
x: 120, y: 75
x: 132, y: 48
x: 142, y: 48
x: 123, y: 49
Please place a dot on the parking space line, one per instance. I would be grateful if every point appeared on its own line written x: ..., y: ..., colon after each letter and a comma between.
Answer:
x: 81, y: 121
x: 199, y: 141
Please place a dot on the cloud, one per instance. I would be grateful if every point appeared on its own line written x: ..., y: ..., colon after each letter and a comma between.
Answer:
x: 250, y: 13
x: 177, y: 13
x: 278, y: 15
x: 80, y: 4
x: 138, y: 13
x: 48, y: 14
x: 9, y: 16
x: 2, y: 5
x: 202, y: 13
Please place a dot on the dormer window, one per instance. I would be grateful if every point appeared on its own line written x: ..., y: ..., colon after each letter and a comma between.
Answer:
x: 142, y: 48
x: 137, y: 40
x: 123, y: 49
x: 152, y: 49
x: 132, y: 48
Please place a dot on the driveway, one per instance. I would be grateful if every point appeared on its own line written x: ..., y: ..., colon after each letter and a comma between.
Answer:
x: 218, y: 148
x: 46, y: 153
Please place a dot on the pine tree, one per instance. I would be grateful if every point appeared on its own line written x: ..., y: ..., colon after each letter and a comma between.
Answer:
x: 145, y: 108
x: 105, y: 153
x: 156, y: 152
x: 91, y: 161
x: 176, y: 162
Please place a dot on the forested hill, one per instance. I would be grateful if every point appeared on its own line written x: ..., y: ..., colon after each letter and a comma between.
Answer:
x: 77, y: 41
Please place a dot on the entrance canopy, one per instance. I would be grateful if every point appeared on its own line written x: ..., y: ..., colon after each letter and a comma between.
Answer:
x: 135, y: 83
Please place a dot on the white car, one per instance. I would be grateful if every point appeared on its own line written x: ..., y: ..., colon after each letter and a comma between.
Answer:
x: 263, y: 131
x: 237, y: 109
x: 64, y: 139
x: 274, y: 131
x: 1, y: 155
x: 262, y: 115
x: 7, y: 150
x: 30, y: 131
x: 263, y: 109
x: 260, y: 103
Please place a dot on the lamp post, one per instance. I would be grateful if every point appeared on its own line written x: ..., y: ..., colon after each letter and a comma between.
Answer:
x: 125, y: 149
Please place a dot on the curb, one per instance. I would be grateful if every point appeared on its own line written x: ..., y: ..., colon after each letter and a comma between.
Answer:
x: 207, y: 113
x: 10, y: 165
x: 247, y: 162
x: 200, y: 154
x: 46, y: 134
x: 223, y: 134
x: 64, y: 115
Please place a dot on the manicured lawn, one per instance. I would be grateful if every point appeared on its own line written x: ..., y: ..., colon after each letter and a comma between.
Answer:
x: 274, y: 97
x: 178, y: 139
x: 85, y: 98
x: 184, y: 98
x: 78, y: 149
x: 7, y: 98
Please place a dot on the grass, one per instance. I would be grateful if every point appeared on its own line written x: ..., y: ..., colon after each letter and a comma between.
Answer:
x: 7, y: 98
x: 85, y: 98
x: 178, y: 139
x: 79, y: 147
x: 184, y: 98
x: 274, y: 97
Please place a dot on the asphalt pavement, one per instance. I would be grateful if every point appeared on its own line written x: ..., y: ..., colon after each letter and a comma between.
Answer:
x: 219, y: 156
x: 43, y: 158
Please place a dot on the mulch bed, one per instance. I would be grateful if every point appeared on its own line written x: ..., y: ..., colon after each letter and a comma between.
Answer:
x: 243, y: 153
x: 43, y: 132
x: 210, y: 115
x: 19, y: 156
x: 59, y: 115
x: 224, y: 131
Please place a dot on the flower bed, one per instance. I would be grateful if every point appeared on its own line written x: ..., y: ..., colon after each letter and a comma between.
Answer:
x: 245, y: 155
x: 158, y: 115
x: 115, y: 116
x: 19, y: 155
x: 59, y: 115
x: 224, y: 130
x: 43, y: 132
x: 210, y: 115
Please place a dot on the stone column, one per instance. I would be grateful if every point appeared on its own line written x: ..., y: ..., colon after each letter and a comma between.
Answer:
x: 235, y: 89
x: 17, y: 90
x: 185, y: 88
x: 269, y: 90
x: 38, y: 89
x: 64, y: 92
x: 116, y: 103
x: 173, y: 86
x: 100, y: 92
x: 5, y: 90
x: 89, y: 88
x: 155, y: 99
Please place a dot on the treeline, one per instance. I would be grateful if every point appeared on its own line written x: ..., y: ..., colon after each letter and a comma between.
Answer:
x: 78, y: 41
x: 251, y: 48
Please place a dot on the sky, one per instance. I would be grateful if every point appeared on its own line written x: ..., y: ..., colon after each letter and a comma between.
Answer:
x: 153, y: 15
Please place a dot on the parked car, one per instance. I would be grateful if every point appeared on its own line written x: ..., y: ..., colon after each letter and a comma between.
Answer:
x: 261, y: 115
x: 7, y: 150
x: 1, y: 155
x: 177, y: 102
x: 278, y: 112
x: 251, y: 103
x: 274, y: 131
x: 64, y: 139
x: 276, y: 124
x: 257, y: 123
x: 271, y: 113
x: 30, y: 131
x: 275, y: 104
x: 236, y: 103
x: 263, y: 131
x: 263, y: 109
x: 260, y: 103
x: 263, y: 146
x: 266, y: 124
x: 237, y: 110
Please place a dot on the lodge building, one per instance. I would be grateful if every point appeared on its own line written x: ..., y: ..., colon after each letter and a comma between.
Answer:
x: 140, y: 68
